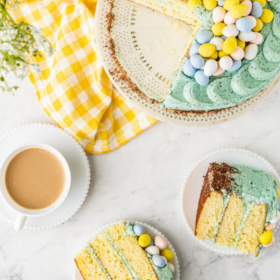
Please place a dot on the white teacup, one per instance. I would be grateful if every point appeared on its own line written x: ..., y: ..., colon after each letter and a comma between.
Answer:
x: 24, y: 213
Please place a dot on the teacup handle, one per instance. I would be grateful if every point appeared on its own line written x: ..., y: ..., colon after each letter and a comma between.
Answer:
x: 20, y: 221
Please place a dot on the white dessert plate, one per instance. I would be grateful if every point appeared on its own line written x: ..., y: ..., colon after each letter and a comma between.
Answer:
x: 77, y: 161
x: 151, y: 44
x: 193, y: 183
x: 149, y: 230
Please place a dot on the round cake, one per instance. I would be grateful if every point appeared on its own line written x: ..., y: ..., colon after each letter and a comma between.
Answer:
x: 231, y: 55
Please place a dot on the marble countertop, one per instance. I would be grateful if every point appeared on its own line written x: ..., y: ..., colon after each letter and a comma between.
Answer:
x: 141, y: 181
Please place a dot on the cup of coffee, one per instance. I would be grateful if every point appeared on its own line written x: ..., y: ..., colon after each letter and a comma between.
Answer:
x: 34, y: 181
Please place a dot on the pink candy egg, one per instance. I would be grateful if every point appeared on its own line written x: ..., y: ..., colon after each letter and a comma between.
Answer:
x: 229, y: 19
x: 238, y: 54
x: 165, y: 259
x: 160, y: 242
x: 249, y: 5
x: 258, y: 40
x: 218, y: 14
x: 219, y: 71
x: 271, y: 243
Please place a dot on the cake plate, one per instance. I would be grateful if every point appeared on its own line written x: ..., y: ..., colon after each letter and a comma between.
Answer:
x: 192, y: 185
x: 149, y: 230
x: 153, y: 43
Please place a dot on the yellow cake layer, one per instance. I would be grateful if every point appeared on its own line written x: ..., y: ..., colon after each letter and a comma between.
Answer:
x: 253, y: 227
x: 134, y: 254
x: 88, y: 266
x: 109, y: 258
x: 231, y: 220
x: 209, y: 216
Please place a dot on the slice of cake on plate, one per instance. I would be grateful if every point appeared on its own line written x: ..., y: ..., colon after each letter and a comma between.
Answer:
x: 237, y: 208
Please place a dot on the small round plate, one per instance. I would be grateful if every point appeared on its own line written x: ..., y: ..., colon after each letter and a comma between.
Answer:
x: 74, y: 155
x: 149, y: 230
x: 193, y: 183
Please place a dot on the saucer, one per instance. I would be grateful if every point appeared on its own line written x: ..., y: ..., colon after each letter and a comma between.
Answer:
x: 76, y: 158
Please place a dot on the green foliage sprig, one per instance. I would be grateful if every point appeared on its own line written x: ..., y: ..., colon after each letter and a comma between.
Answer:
x: 17, y: 41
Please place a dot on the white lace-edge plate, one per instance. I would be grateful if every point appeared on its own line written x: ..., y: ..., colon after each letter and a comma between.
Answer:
x: 149, y: 230
x: 147, y: 39
x: 76, y: 158
x: 192, y: 185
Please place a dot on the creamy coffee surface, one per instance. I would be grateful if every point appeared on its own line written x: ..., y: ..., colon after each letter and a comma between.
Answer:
x: 35, y: 178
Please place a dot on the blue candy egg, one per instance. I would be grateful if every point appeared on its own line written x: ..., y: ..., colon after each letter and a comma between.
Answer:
x: 138, y: 229
x: 201, y: 78
x: 197, y: 61
x: 194, y: 49
x: 204, y: 36
x: 188, y: 69
x: 235, y: 66
x: 224, y: 37
x: 221, y: 3
x: 257, y: 10
x: 152, y: 243
x: 278, y: 206
x: 159, y: 261
x: 243, y: 24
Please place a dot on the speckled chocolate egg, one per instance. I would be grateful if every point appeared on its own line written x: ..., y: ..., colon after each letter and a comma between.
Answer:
x: 226, y: 62
x: 210, y: 67
x: 217, y: 42
x: 251, y: 51
x: 252, y: 20
x: 246, y: 37
x: 160, y: 242
x: 238, y: 54
x: 229, y: 19
x: 249, y: 5
x: 258, y: 40
x: 230, y: 30
x: 218, y: 14
x: 152, y: 250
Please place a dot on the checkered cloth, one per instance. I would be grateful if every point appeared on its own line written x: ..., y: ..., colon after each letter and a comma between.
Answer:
x: 73, y: 87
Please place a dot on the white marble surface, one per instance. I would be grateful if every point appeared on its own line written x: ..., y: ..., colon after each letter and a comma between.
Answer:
x: 141, y: 181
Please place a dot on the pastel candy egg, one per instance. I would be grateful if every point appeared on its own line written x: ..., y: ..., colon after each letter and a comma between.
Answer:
x: 243, y: 25
x: 270, y: 226
x: 167, y: 254
x: 209, y: 4
x: 224, y: 37
x: 222, y: 54
x: 206, y: 50
x: 158, y: 261
x: 218, y: 14
x: 204, y: 36
x: 271, y: 243
x: 193, y: 3
x: 238, y: 54
x: 258, y: 40
x: 201, y: 78
x: 138, y: 229
x: 259, y: 25
x: 225, y: 62
x: 221, y: 3
x: 252, y: 20
x: 266, y: 237
x: 152, y: 250
x: 267, y: 16
x: 251, y: 51
x: 256, y: 10
x: 217, y: 42
x: 210, y: 67
x: 160, y: 242
x: 249, y: 5
x: 241, y: 44
x: 217, y: 28
x: 246, y: 37
x: 229, y: 45
x: 171, y: 267
x: 152, y: 243
x: 229, y: 4
x: 229, y: 19
x: 278, y: 192
x: 262, y: 2
x: 144, y: 240
x: 165, y: 259
x: 219, y: 71
x: 278, y: 203
x: 235, y: 66
x: 239, y: 11
x: 197, y: 61
x: 194, y: 49
x: 214, y: 55
x: 230, y: 30
x: 188, y: 69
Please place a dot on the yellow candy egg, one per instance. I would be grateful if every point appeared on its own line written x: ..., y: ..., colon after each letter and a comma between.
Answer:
x: 217, y: 28
x: 262, y: 2
x: 278, y: 192
x: 258, y: 26
x: 206, y: 50
x: 229, y: 45
x: 144, y: 240
x: 238, y: 11
x: 214, y: 55
x: 241, y: 44
x: 229, y: 4
x: 222, y: 54
x: 193, y: 3
x: 167, y: 254
x: 267, y: 16
x: 266, y: 237
x: 209, y: 4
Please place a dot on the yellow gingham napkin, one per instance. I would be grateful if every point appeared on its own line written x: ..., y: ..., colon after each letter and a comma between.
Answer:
x: 73, y: 87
